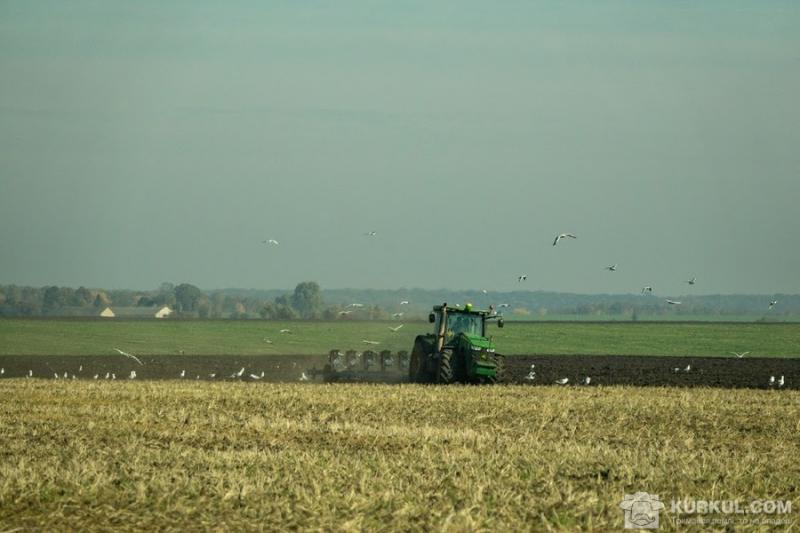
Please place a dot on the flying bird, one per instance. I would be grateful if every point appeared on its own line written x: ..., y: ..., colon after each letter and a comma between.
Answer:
x: 396, y: 329
x: 563, y: 236
x: 532, y: 374
x: 740, y: 355
x: 365, y: 341
x: 96, y: 376
x: 129, y: 355
x: 691, y: 281
x: 562, y: 381
x: 522, y: 278
x: 285, y: 331
x: 356, y: 305
x: 484, y: 291
x: 772, y: 303
x: 397, y: 315
x: 688, y: 368
x: 342, y: 313
x: 267, y: 340
x: 647, y: 289
x: 612, y: 268
x: 673, y: 302
x: 212, y: 375
x: 404, y: 302
x: 303, y: 376
x: 271, y: 241
x: 371, y: 233
x: 256, y: 376
x: 238, y: 374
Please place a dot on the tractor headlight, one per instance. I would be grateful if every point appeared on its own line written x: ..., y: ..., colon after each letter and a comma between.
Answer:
x: 476, y: 348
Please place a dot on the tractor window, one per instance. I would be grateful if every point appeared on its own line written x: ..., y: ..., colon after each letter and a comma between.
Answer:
x: 464, y: 323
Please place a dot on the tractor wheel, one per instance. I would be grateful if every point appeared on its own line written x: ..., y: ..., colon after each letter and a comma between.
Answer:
x: 445, y: 373
x: 500, y: 370
x: 418, y: 365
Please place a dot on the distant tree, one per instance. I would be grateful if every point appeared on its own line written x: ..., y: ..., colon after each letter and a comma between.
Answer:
x: 307, y: 299
x: 145, y: 301
x: 187, y: 296
x: 82, y: 297
x: 53, y: 298
x: 101, y: 300
x: 203, y: 306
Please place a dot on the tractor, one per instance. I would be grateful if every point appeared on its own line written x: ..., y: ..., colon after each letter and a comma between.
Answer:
x: 458, y: 350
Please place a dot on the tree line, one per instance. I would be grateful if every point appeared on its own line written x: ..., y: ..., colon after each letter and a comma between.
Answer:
x: 186, y: 300
x: 308, y: 301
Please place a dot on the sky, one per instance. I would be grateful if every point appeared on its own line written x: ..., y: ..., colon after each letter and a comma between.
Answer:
x: 143, y: 142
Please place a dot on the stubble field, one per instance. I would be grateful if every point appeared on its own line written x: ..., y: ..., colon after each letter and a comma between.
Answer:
x: 80, y: 455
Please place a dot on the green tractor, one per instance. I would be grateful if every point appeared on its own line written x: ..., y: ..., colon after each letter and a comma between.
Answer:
x: 458, y: 350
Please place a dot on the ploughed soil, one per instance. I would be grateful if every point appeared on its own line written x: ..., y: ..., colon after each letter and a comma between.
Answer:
x: 724, y: 372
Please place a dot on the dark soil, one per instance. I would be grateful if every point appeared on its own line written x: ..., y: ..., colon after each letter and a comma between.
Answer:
x: 728, y: 372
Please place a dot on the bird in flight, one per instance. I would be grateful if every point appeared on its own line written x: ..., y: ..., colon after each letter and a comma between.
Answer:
x: 396, y: 329
x: 647, y: 289
x: 271, y: 241
x: 612, y: 268
x: 365, y: 341
x: 371, y: 233
x: 397, y: 315
x: 285, y: 331
x: 673, y: 302
x: 522, y: 278
x: 563, y: 236
x: 356, y: 305
x: 562, y: 381
x: 404, y: 302
x: 503, y: 305
x: 740, y: 355
x: 344, y: 313
x: 129, y: 355
x: 691, y: 281
x: 772, y: 303
x: 303, y: 376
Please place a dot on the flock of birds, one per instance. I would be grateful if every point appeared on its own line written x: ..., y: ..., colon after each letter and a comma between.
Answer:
x: 587, y: 380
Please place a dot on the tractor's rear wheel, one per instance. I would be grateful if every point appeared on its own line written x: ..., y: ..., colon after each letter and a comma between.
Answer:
x: 445, y: 372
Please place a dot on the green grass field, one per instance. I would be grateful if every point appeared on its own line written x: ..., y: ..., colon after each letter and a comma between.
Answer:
x: 195, y: 456
x: 95, y: 337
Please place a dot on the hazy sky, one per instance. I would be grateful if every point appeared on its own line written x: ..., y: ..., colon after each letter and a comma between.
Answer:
x: 142, y: 143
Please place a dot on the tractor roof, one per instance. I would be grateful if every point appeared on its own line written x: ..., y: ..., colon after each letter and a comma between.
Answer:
x: 471, y: 311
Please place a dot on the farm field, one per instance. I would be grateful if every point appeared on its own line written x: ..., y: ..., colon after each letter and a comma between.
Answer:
x: 255, y: 337
x: 242, y: 456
